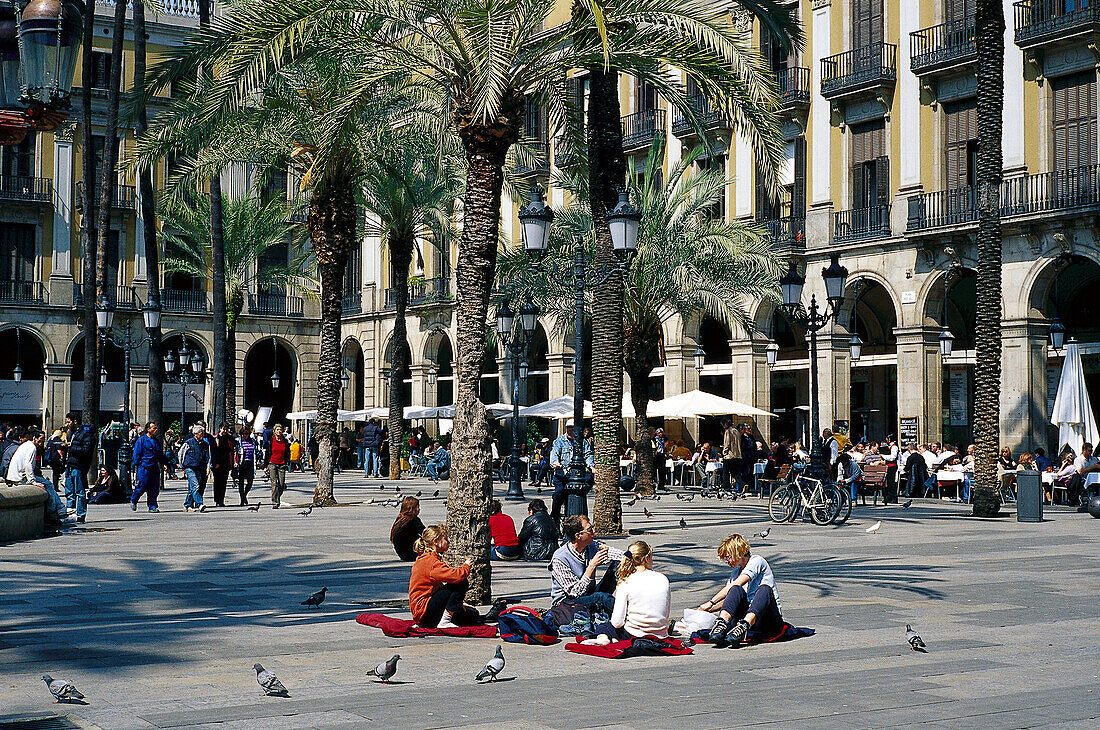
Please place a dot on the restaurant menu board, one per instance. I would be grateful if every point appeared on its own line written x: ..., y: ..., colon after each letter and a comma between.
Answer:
x: 1054, y: 374
x: 957, y: 393
x: 908, y: 431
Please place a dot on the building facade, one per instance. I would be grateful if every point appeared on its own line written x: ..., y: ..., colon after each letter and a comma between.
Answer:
x: 879, y: 113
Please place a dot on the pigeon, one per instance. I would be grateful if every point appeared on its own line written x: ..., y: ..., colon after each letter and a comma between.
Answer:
x: 908, y: 504
x: 679, y: 496
x: 683, y: 524
x: 493, y: 668
x: 763, y: 535
x: 386, y: 669
x: 306, y: 512
x: 538, y: 490
x: 873, y: 529
x: 316, y: 599
x: 270, y: 684
x: 254, y: 507
x: 914, y: 640
x: 381, y: 487
x: 632, y: 502
x: 689, y: 498
x: 646, y: 512
x: 63, y: 690
x: 436, y: 494
x: 419, y: 492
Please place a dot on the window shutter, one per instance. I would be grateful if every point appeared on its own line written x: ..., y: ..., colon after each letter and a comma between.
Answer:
x: 798, y: 194
x: 858, y: 192
x: 882, y: 180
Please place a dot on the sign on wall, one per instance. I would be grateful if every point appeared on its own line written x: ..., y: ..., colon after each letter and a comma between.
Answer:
x: 958, y: 392
x: 1054, y: 374
x: 908, y: 431
x: 23, y: 399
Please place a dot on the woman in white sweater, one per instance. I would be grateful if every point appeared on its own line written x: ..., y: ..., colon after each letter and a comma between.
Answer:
x: 643, y: 599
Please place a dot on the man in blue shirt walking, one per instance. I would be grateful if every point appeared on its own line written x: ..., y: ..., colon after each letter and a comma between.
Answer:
x: 147, y: 459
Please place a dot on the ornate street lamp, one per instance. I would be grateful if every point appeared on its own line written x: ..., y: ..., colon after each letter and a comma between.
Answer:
x: 275, y: 379
x: 103, y: 376
x: 535, y: 219
x: 624, y: 222
x: 151, y: 313
x: 699, y: 356
x: 17, y: 374
x: 432, y: 375
x: 771, y: 352
x: 515, y: 341
x: 855, y: 347
x: 345, y: 380
x: 947, y: 341
x: 49, y: 40
x: 1056, y: 334
x: 104, y: 314
x: 505, y: 319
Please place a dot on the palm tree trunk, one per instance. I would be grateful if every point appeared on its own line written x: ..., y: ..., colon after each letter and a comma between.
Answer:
x: 236, y: 306
x: 90, y: 252
x: 332, y: 231
x: 606, y: 174
x: 989, y: 27
x: 217, y: 250
x: 401, y: 250
x: 149, y: 228
x: 106, y: 169
x: 643, y: 435
x: 471, y: 474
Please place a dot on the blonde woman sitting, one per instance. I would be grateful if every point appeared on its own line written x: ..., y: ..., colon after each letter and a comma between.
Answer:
x: 749, y: 597
x: 643, y: 598
x: 436, y: 590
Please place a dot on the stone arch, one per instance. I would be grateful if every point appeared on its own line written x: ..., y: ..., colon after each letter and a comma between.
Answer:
x: 871, y: 310
x: 1064, y: 288
x: 353, y: 361
x: 259, y: 387
x: 22, y: 346
x: 850, y: 297
x: 1040, y: 279
x: 43, y: 341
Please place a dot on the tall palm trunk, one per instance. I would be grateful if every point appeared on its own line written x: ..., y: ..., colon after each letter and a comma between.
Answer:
x: 221, y: 353
x: 640, y: 356
x: 989, y: 27
x: 471, y: 474
x: 106, y: 169
x: 235, y: 306
x: 332, y: 232
x: 606, y: 174
x: 89, y: 250
x: 149, y: 229
x: 401, y: 248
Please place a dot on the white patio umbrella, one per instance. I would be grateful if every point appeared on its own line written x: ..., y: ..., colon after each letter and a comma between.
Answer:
x: 342, y: 416
x: 563, y: 408
x: 1072, y: 409
x: 696, y: 403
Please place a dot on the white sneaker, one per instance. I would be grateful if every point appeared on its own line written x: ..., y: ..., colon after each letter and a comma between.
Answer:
x: 446, y: 622
x: 202, y: 508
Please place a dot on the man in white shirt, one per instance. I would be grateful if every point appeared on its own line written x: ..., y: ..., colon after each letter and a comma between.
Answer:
x: 1083, y: 465
x: 24, y: 469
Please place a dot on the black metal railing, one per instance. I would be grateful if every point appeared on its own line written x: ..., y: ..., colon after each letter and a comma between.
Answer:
x: 23, y: 292
x: 943, y: 208
x: 538, y: 163
x: 861, y: 223
x: 121, y: 296
x: 787, y: 234
x: 183, y: 300
x: 1038, y: 21
x: 942, y: 45
x: 422, y: 291
x: 299, y: 216
x: 640, y: 128
x: 794, y: 86
x: 124, y: 198
x: 266, y: 304
x: 708, y: 118
x: 24, y: 188
x: 868, y: 66
x: 352, y: 302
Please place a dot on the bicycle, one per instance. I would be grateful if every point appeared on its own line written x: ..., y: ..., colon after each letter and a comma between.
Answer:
x: 823, y: 502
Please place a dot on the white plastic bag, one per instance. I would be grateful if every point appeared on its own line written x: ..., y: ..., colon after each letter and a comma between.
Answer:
x: 696, y: 620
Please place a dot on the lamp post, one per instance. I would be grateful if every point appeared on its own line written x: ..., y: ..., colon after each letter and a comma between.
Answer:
x: 515, y: 341
x: 813, y: 320
x: 127, y: 341
x: 535, y: 220
x: 189, y: 364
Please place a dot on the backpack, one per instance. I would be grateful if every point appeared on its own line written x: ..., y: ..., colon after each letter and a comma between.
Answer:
x: 182, y: 453
x: 522, y: 625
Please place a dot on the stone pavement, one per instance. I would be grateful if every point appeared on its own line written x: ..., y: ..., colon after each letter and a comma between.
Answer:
x: 159, y: 618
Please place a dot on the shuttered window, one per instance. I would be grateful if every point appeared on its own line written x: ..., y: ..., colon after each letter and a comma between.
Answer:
x: 1074, y: 124
x: 798, y: 190
x: 18, y: 160
x: 17, y: 252
x: 645, y: 96
x: 534, y: 120
x: 958, y: 10
x: 866, y: 22
x: 960, y: 136
x: 870, y: 166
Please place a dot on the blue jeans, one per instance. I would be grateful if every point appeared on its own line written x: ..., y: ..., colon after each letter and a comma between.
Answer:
x: 967, y: 481
x: 504, y: 552
x: 362, y: 457
x: 56, y: 508
x: 372, y: 467
x: 769, y: 621
x: 605, y: 602
x: 194, y: 496
x: 76, y: 490
x: 435, y: 470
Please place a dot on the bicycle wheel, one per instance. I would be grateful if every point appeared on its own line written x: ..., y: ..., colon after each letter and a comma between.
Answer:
x: 845, y: 510
x: 826, y: 511
x: 782, y: 505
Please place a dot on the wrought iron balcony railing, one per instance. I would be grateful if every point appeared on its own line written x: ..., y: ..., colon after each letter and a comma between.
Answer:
x: 267, y: 304
x: 183, y: 300
x: 942, y: 46
x: 794, y: 86
x: 23, y: 292
x: 708, y: 118
x: 1044, y: 21
x: 787, y: 234
x: 121, y: 296
x: 352, y: 302
x: 943, y: 208
x: 861, y: 224
x: 539, y: 161
x: 423, y: 291
x: 859, y: 69
x: 125, y: 197
x: 640, y: 128
x: 26, y: 189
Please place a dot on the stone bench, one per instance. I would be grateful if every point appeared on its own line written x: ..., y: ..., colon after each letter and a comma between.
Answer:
x: 22, y: 511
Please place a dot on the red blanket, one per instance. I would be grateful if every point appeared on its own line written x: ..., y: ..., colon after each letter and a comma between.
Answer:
x: 399, y: 627
x: 645, y: 646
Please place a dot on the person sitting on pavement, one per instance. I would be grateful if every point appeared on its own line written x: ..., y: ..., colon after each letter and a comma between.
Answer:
x: 643, y: 597
x: 574, y: 566
x: 106, y: 489
x: 23, y: 469
x: 503, y: 531
x: 407, y: 529
x: 439, y: 466
x: 749, y: 596
x: 436, y: 590
x: 538, y: 537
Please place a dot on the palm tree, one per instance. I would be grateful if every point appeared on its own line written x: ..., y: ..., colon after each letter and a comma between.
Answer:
x: 252, y: 228
x: 481, y: 59
x: 89, y: 247
x: 989, y: 41
x: 688, y: 262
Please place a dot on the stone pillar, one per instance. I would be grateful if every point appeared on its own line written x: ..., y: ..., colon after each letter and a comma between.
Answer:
x: 1024, y: 418
x: 834, y: 370
x: 141, y: 269
x: 680, y: 373
x: 55, y: 403
x: 561, y: 378
x: 61, y: 275
x: 920, y: 380
x: 139, y: 392
x: 752, y: 379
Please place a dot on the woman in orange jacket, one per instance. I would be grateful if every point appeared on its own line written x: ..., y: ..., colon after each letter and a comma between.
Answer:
x: 436, y: 590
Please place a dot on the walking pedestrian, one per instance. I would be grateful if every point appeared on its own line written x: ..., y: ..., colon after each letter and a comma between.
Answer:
x: 221, y: 462
x: 246, y: 462
x: 148, y: 457
x: 55, y: 456
x: 276, y: 464
x: 194, y: 457
x: 77, y: 463
x: 731, y: 453
x: 372, y: 442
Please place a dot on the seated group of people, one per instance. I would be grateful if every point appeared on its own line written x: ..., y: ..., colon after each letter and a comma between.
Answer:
x: 623, y: 585
x: 537, y: 538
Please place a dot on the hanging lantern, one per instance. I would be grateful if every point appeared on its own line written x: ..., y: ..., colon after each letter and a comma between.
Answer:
x: 49, y: 43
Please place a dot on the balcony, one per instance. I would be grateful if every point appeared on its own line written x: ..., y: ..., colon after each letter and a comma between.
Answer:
x: 23, y: 189
x: 299, y: 216
x: 183, y: 300
x: 536, y: 163
x: 267, y: 304
x: 1050, y: 22
x: 640, y: 128
x: 861, y: 224
x: 352, y: 302
x: 943, y: 208
x: 943, y: 47
x: 788, y: 235
x: 708, y: 118
x: 870, y: 70
x: 422, y: 291
x: 794, y: 88
x: 119, y: 297
x: 23, y: 292
x: 125, y: 197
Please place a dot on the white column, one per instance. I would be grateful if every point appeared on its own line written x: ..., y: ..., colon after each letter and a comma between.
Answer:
x: 63, y: 200
x: 743, y: 174
x: 1013, y: 133
x: 820, y: 129
x: 908, y: 131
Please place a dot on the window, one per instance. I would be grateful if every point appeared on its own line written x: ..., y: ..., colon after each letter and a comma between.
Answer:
x: 792, y: 184
x: 870, y: 166
x: 352, y: 272
x: 1074, y: 123
x: 18, y: 160
x: 277, y: 255
x: 718, y: 210
x: 645, y: 96
x: 17, y: 252
x: 101, y: 70
x: 772, y: 52
x: 273, y: 186
x: 960, y: 143
x: 866, y: 23
x: 534, y: 121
